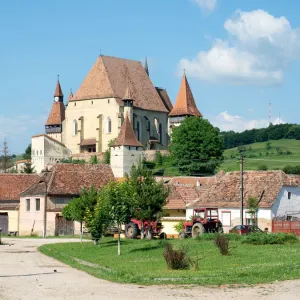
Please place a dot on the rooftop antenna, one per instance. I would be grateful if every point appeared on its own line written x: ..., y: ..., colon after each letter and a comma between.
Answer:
x: 270, y: 113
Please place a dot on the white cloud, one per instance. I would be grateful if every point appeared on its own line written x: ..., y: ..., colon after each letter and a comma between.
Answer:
x: 258, y: 50
x: 226, y: 122
x: 206, y: 5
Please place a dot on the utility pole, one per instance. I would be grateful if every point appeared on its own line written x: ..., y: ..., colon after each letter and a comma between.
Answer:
x: 241, y: 189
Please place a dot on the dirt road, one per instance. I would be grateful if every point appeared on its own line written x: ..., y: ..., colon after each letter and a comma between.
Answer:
x: 26, y: 274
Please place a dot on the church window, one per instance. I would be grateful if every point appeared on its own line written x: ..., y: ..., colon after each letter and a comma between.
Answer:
x: 156, y: 127
x: 160, y: 134
x: 108, y: 125
x: 74, y: 103
x: 41, y: 152
x: 139, y: 130
x: 74, y: 128
x: 108, y: 101
x: 92, y: 102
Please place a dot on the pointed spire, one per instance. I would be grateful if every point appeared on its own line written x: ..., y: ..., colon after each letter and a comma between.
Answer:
x: 146, y: 66
x: 70, y: 95
x: 185, y: 103
x: 126, y: 136
x: 58, y: 92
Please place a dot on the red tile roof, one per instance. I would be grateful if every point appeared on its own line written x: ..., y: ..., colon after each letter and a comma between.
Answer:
x: 109, y: 77
x: 88, y: 142
x: 185, y: 104
x: 165, y: 98
x: 126, y: 136
x: 58, y: 92
x: 11, y: 185
x: 57, y: 114
x: 226, y: 191
x: 70, y: 179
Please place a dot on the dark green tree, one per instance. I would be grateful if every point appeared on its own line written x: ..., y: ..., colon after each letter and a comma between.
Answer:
x: 196, y: 146
x: 27, y: 153
x: 28, y: 168
x: 148, y: 194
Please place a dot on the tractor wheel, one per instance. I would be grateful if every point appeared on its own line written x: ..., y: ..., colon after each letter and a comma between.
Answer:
x: 197, y: 229
x: 163, y: 236
x: 131, y: 230
x: 181, y: 235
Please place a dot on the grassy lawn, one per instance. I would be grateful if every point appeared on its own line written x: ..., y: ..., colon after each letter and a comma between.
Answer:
x: 142, y: 262
x: 272, y: 161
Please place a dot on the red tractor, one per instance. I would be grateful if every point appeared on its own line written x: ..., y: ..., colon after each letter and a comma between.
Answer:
x: 203, y: 220
x: 152, y: 228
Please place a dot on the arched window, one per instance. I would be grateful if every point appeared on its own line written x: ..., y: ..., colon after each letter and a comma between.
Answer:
x: 160, y: 134
x: 74, y: 128
x: 108, y: 125
x: 156, y: 127
x: 139, y: 130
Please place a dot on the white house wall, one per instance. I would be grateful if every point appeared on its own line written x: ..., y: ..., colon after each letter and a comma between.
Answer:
x: 287, y: 207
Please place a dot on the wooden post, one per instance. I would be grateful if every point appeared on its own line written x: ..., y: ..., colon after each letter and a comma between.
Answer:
x: 241, y: 189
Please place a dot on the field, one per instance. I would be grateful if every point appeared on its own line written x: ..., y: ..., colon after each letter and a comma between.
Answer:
x: 257, y: 155
x: 142, y: 262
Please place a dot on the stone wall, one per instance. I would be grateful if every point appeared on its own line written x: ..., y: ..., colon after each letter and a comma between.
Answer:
x: 149, y: 155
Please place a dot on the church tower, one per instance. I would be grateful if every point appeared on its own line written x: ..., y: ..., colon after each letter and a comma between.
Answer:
x: 184, y: 106
x: 125, y: 151
x: 53, y: 126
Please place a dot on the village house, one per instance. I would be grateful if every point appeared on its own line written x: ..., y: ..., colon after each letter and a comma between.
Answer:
x: 277, y: 192
x: 11, y: 185
x: 41, y: 204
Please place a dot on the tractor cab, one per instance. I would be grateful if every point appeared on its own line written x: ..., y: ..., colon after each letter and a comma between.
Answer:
x: 203, y: 220
x: 205, y: 215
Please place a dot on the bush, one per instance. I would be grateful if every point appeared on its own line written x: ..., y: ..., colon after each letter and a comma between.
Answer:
x: 212, y: 236
x: 158, y: 158
x: 262, y: 167
x: 176, y: 259
x: 269, y: 239
x: 179, y: 227
x: 222, y: 243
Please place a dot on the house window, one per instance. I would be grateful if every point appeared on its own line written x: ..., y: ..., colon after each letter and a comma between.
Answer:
x: 37, y: 204
x: 226, y: 218
x: 289, y: 195
x: 108, y: 125
x: 74, y: 103
x: 289, y: 218
x: 74, y: 128
x: 92, y: 102
x: 27, y: 204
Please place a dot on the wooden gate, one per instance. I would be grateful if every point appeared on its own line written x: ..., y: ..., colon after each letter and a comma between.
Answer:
x: 63, y: 226
x: 286, y: 226
x: 4, y: 222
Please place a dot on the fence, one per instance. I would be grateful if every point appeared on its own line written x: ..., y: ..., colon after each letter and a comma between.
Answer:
x: 286, y: 226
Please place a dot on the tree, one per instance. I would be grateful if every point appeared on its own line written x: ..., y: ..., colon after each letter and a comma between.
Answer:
x: 5, y: 157
x: 27, y: 153
x: 252, y: 208
x: 84, y: 205
x: 148, y: 194
x: 28, y: 168
x: 196, y: 146
x: 118, y: 198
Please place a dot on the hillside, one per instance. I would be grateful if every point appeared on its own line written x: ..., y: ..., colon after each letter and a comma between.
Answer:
x: 274, y: 154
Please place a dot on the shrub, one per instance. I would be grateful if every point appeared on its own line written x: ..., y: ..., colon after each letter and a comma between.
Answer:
x: 222, y: 243
x: 262, y: 167
x: 176, y: 259
x: 269, y: 239
x: 179, y: 227
x: 212, y: 237
x: 158, y: 158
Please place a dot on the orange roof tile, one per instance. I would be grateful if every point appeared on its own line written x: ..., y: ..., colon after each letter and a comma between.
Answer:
x: 58, y: 92
x: 57, y: 114
x: 126, y: 136
x: 185, y: 104
x: 109, y: 77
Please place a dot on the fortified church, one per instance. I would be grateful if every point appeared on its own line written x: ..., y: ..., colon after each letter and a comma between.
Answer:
x: 116, y: 105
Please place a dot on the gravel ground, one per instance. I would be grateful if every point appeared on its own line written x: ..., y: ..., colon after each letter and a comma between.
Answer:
x: 25, y: 273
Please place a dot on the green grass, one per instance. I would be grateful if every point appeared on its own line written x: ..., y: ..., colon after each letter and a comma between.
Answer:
x: 272, y: 161
x: 142, y: 262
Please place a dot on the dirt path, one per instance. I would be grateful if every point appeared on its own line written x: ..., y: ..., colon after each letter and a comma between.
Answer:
x: 26, y: 274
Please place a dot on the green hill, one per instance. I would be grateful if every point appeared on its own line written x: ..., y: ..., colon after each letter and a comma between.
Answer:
x: 274, y: 154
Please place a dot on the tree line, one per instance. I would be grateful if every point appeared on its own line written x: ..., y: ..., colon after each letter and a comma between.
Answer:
x: 233, y: 139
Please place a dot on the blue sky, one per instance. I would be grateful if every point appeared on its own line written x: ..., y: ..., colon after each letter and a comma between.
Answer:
x: 238, y: 55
